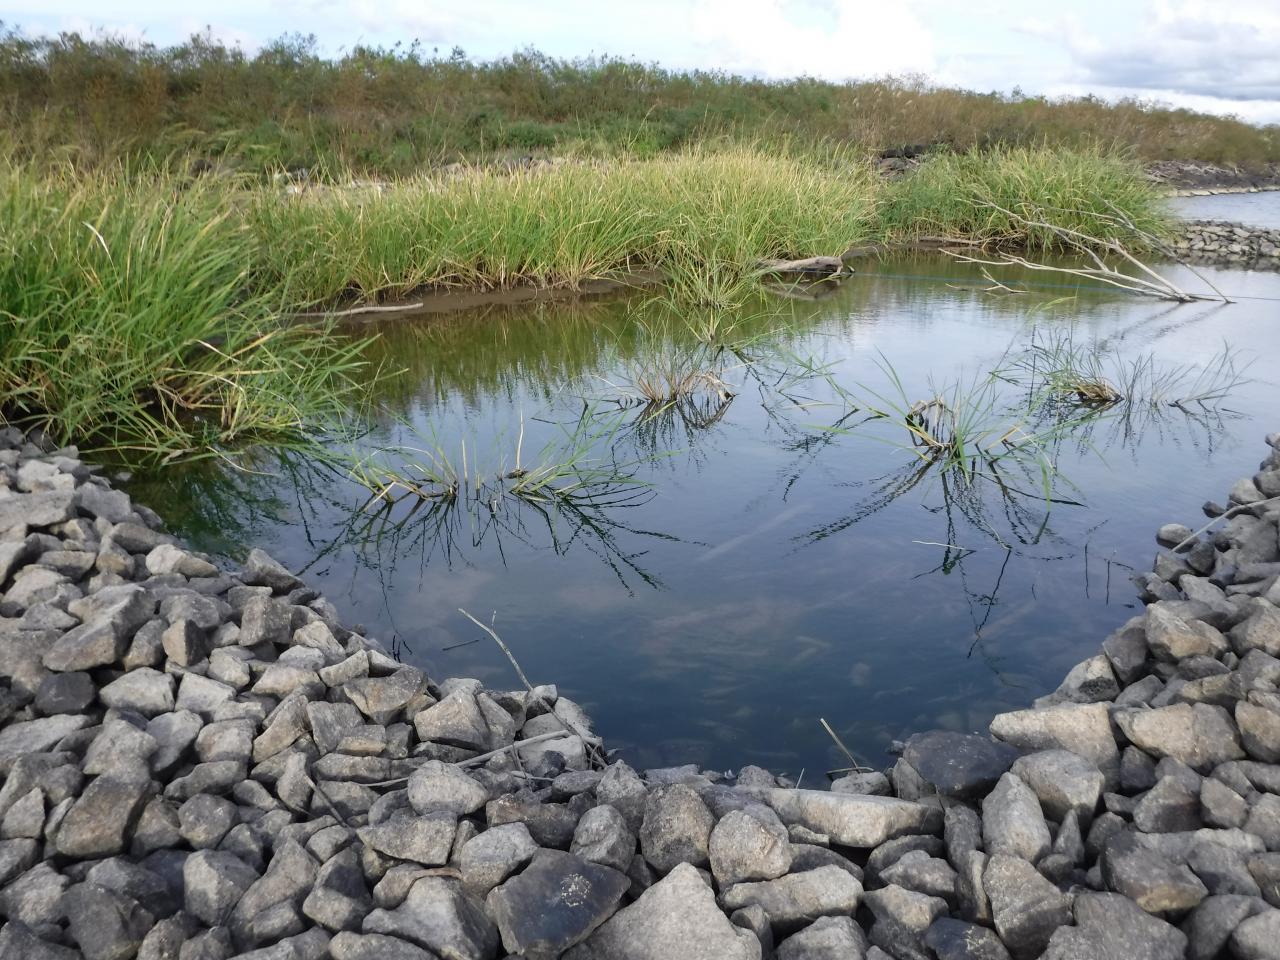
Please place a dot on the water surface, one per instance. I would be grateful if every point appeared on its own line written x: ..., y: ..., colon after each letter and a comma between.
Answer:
x: 1255, y: 209
x: 786, y: 561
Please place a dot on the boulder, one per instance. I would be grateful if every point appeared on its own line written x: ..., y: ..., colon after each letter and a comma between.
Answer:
x: 676, y: 828
x: 747, y: 847
x: 957, y: 764
x: 852, y: 820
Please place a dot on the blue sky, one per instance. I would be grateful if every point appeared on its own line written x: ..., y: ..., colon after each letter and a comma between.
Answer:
x: 1218, y: 56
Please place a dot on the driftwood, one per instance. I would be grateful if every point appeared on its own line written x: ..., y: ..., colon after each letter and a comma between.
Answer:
x: 820, y: 266
x: 1145, y: 281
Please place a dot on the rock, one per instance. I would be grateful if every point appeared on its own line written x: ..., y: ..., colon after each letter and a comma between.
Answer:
x: 902, y: 918
x: 1012, y: 821
x: 492, y: 856
x: 214, y: 882
x: 426, y: 839
x: 850, y: 819
x: 340, y: 899
x: 1061, y: 781
x: 382, y: 698
x: 99, y: 822
x: 746, y: 847
x: 441, y: 786
x: 110, y: 618
x: 174, y: 733
x: 65, y: 693
x: 1200, y: 735
x: 1171, y: 638
x: 1211, y: 924
x: 1223, y: 870
x: 105, y: 924
x: 1172, y: 534
x: 1026, y: 907
x: 798, y: 898
x: 1083, y: 729
x: 439, y: 916
x: 1260, y: 631
x: 676, y: 829
x: 374, y: 946
x: 555, y: 903
x: 265, y: 621
x: 1259, y: 731
x: 827, y: 938
x: 18, y: 941
x: 1220, y: 805
x: 1168, y: 807
x: 145, y: 691
x: 622, y: 788
x: 602, y: 836
x: 36, y: 736
x: 1154, y: 882
x: 951, y: 939
x: 261, y: 570
x: 550, y: 824
x: 1258, y: 938
x: 959, y: 765
x: 457, y: 720
x: 204, y: 820
x: 874, y: 784
x: 921, y: 873
x: 675, y: 919
x: 1109, y: 925
x: 1090, y: 681
x: 288, y: 879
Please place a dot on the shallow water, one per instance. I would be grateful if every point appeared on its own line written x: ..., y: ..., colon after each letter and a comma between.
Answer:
x: 1255, y: 209
x: 773, y: 571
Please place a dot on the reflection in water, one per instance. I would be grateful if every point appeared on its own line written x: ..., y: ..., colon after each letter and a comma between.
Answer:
x: 779, y: 558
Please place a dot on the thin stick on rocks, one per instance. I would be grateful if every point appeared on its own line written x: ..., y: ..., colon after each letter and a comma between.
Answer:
x: 857, y: 767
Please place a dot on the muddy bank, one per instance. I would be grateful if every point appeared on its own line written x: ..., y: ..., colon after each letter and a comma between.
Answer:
x: 200, y: 762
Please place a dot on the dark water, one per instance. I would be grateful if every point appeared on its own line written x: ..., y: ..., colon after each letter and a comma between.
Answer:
x: 774, y: 571
x: 1255, y: 209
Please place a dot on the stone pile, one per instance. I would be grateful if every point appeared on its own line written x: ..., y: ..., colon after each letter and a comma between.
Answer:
x: 1216, y: 241
x: 200, y: 764
x: 1196, y: 178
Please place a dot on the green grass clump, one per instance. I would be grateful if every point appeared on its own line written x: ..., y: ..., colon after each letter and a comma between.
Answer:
x: 128, y: 321
x: 703, y: 218
x: 966, y: 195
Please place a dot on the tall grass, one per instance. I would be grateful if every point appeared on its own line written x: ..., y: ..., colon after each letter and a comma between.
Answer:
x: 128, y: 320
x: 394, y: 111
x: 970, y: 196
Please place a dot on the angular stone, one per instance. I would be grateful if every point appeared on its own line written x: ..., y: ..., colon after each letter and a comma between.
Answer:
x: 1026, y: 907
x: 555, y: 903
x: 437, y: 786
x: 288, y: 878
x: 65, y: 693
x: 204, y: 820
x: 264, y: 620
x: 1012, y: 821
x: 174, y: 733
x: 37, y: 736
x: 951, y: 939
x: 426, y: 839
x: 1154, y: 882
x: 1061, y: 781
x: 1211, y: 924
x: 602, y: 836
x: 622, y: 788
x: 145, y: 691
x: 261, y: 570
x: 827, y: 938
x: 1260, y: 631
x: 1259, y: 731
x: 99, y: 823
x: 1168, y: 807
x: 105, y: 924
x: 1089, y: 681
x: 492, y: 856
x: 675, y: 919
x: 921, y: 873
x: 676, y: 829
x: 214, y: 882
x: 1199, y: 735
x: 798, y: 898
x: 902, y: 918
x: 958, y: 765
x: 1258, y: 937
x: 850, y: 819
x: 110, y: 618
x: 18, y: 941
x: 439, y: 915
x: 1171, y: 638
x: 746, y: 847
x: 374, y: 946
x: 1084, y: 729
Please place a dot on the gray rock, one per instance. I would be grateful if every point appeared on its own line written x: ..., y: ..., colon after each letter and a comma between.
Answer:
x: 120, y: 749
x: 902, y: 919
x: 288, y: 878
x: 958, y: 765
x: 426, y: 839
x: 1200, y: 735
x: 1259, y: 731
x: 437, y: 786
x: 145, y: 691
x: 1089, y: 681
x: 65, y: 693
x: 550, y: 824
x: 204, y: 820
x: 374, y: 946
x: 492, y: 856
x: 1084, y: 729
x: 622, y: 788
x: 951, y: 939
x: 921, y: 873
x: 799, y: 898
x: 1171, y: 638
x: 110, y: 618
x: 1012, y: 821
x: 1210, y: 925
x: 676, y: 829
x: 1168, y: 807
x: 382, y: 698
x: 746, y: 847
x: 1258, y: 938
x: 438, y: 915
x: 555, y: 903
x: 18, y: 941
x: 174, y: 733
x: 1026, y: 907
x: 1111, y: 926
x: 850, y: 819
x: 1154, y: 882
x: 265, y: 621
x: 874, y: 784
x: 214, y: 882
x: 962, y: 831
x: 675, y: 919
x: 1061, y: 781
x: 340, y: 899
x: 1223, y: 870
x: 261, y: 570
x: 105, y: 924
x: 1260, y: 631
x: 827, y: 938
x: 602, y: 836
x: 1264, y: 820
x: 99, y: 823
x: 1221, y: 806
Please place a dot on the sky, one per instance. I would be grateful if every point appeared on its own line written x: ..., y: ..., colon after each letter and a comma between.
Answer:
x: 1219, y: 56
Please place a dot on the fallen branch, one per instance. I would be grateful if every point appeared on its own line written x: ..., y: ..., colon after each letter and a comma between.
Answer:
x: 356, y: 311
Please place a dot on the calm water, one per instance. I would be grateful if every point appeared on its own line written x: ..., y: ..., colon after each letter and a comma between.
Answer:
x: 1255, y: 209
x: 774, y: 570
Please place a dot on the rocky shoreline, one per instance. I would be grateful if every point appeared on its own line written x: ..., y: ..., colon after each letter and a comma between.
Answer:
x: 1191, y: 178
x: 202, y: 764
x: 1217, y: 241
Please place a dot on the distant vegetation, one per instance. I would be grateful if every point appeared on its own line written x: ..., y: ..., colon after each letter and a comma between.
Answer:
x: 395, y: 111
